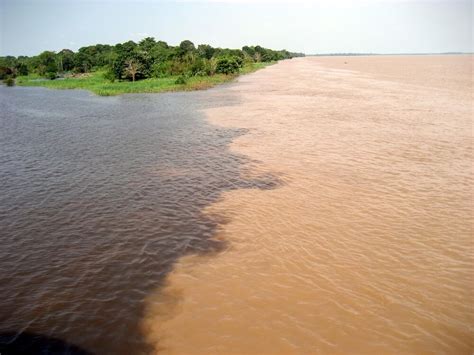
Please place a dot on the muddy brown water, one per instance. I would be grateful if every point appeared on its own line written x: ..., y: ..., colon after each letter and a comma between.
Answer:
x: 366, y: 247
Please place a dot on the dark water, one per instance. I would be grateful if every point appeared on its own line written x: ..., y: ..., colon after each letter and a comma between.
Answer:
x: 99, y: 197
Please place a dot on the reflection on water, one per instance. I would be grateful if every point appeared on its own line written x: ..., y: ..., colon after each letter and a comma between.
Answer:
x: 367, y: 246
x: 99, y: 197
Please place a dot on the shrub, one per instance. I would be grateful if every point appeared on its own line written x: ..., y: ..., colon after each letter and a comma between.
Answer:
x: 198, y: 68
x: 9, y: 81
x: 227, y: 65
x: 5, y: 73
x: 178, y: 68
x: 109, y: 75
x: 211, y: 65
x: 22, y: 69
x: 161, y: 69
x: 181, y: 80
x: 51, y: 75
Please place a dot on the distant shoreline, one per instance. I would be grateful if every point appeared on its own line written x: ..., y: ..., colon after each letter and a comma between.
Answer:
x: 383, y: 54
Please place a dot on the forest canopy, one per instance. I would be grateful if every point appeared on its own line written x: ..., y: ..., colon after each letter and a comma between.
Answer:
x: 149, y: 58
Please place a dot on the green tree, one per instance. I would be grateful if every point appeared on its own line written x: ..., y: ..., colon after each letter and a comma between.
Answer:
x: 205, y: 51
x: 186, y: 47
x: 82, y: 61
x: 47, y: 64
x: 147, y: 43
x: 227, y: 65
x: 8, y: 61
x: 249, y: 50
x: 162, y: 44
x: 21, y: 68
x: 66, y: 60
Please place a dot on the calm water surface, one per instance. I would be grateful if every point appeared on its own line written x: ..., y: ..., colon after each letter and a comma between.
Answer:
x: 99, y: 197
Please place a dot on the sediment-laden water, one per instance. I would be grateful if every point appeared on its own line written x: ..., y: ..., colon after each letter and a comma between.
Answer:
x: 98, y: 199
x: 366, y: 247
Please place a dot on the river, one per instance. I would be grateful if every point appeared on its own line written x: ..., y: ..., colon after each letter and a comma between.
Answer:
x: 322, y: 205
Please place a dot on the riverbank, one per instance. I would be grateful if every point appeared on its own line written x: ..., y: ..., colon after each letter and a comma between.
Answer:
x: 98, y: 84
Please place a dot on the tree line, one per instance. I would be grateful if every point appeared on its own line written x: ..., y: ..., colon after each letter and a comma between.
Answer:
x: 133, y: 61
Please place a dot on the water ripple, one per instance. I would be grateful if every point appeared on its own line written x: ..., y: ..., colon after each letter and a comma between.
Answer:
x: 99, y: 197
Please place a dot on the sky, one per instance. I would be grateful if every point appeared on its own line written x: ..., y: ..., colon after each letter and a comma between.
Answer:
x: 28, y: 27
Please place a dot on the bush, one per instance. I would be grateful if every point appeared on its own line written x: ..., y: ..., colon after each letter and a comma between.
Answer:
x: 109, y: 75
x: 5, y: 73
x: 227, y: 65
x: 21, y: 69
x: 198, y: 67
x: 51, y: 75
x: 178, y: 68
x: 161, y: 69
x: 9, y: 81
x: 181, y: 80
x: 211, y: 65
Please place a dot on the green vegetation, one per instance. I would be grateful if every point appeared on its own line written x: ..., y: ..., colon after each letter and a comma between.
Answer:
x: 98, y: 83
x: 147, y: 66
x: 9, y: 81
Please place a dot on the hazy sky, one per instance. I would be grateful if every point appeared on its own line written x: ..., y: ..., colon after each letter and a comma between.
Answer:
x: 311, y: 26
